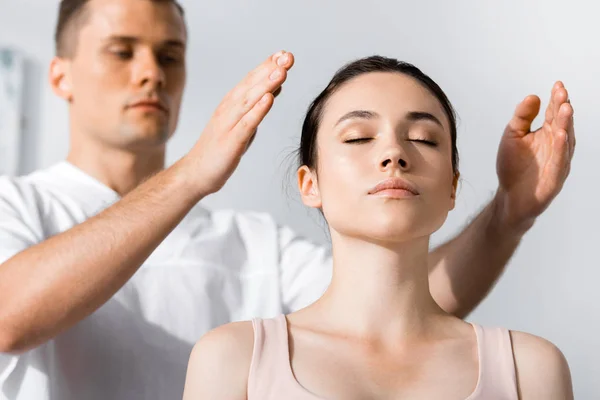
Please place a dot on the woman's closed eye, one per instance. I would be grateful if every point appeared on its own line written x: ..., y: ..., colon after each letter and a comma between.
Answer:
x: 424, y: 141
x: 357, y: 140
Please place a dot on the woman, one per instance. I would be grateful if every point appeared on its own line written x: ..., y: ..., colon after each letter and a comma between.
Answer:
x: 378, y: 157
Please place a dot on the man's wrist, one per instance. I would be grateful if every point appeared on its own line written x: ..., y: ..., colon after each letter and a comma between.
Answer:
x: 186, y: 181
x: 502, y: 223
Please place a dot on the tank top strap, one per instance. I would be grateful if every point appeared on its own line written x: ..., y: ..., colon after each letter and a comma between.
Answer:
x: 270, y: 366
x: 497, y: 373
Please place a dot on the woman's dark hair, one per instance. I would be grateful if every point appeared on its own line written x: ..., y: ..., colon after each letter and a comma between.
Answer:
x: 308, y: 150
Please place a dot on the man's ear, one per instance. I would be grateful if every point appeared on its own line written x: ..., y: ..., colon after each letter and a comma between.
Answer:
x: 60, y: 78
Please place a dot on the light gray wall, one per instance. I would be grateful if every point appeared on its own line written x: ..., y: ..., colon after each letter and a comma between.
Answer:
x: 487, y: 58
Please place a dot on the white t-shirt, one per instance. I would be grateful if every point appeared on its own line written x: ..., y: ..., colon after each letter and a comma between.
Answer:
x: 214, y: 268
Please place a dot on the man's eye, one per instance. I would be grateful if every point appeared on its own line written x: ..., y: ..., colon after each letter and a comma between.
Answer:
x: 167, y: 59
x: 122, y: 54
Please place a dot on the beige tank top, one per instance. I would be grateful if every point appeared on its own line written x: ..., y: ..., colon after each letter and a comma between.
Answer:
x: 271, y: 376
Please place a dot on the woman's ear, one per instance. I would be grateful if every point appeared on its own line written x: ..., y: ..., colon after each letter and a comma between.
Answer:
x: 454, y: 189
x: 309, y: 188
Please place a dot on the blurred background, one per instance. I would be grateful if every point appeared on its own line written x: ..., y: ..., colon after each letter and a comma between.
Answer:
x: 486, y: 56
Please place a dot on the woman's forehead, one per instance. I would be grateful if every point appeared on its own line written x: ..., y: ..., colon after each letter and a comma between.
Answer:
x: 384, y: 93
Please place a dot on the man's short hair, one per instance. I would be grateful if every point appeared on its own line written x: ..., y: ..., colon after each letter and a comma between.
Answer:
x: 71, y: 14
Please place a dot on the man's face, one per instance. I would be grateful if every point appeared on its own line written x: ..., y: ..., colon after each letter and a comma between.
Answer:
x: 126, y: 76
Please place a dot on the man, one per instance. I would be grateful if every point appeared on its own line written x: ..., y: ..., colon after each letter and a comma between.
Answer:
x: 110, y: 271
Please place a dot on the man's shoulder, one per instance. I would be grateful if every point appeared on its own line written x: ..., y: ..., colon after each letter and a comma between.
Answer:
x: 23, y: 214
x: 26, y: 184
x: 19, y: 190
x: 34, y: 189
x: 46, y: 199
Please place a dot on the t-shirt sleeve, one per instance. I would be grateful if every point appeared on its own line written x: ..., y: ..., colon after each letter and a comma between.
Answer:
x: 16, y: 232
x: 16, y: 235
x: 305, y: 270
x: 8, y: 365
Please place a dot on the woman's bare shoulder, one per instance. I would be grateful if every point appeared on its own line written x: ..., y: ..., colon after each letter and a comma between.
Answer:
x: 220, y: 363
x: 542, y: 369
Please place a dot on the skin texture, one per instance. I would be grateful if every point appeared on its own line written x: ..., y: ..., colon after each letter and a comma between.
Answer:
x: 124, y: 148
x: 80, y: 269
x: 377, y: 332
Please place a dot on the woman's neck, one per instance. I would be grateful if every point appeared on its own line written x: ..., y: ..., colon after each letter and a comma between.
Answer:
x: 380, y: 290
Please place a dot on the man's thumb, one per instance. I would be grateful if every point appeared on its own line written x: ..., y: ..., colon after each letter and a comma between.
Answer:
x: 525, y: 113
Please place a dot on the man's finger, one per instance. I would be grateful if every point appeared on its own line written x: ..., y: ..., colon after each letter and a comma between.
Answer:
x: 558, y: 166
x: 281, y: 59
x: 275, y: 94
x: 525, y: 113
x: 563, y: 118
x: 560, y: 97
x: 244, y: 105
x: 245, y: 129
x: 572, y: 138
x: 549, y: 116
x: 252, y: 137
x: 244, y: 97
x: 565, y: 121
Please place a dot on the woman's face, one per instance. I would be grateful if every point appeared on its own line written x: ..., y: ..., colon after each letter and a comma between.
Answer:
x: 384, y: 160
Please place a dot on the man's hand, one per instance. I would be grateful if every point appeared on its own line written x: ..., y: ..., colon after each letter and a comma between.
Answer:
x: 533, y: 166
x: 231, y: 129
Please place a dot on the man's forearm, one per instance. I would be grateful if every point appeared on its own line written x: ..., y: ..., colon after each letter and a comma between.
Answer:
x: 53, y: 285
x: 464, y: 270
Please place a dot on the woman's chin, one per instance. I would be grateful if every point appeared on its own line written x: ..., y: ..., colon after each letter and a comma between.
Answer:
x: 385, y: 228
x: 388, y: 236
